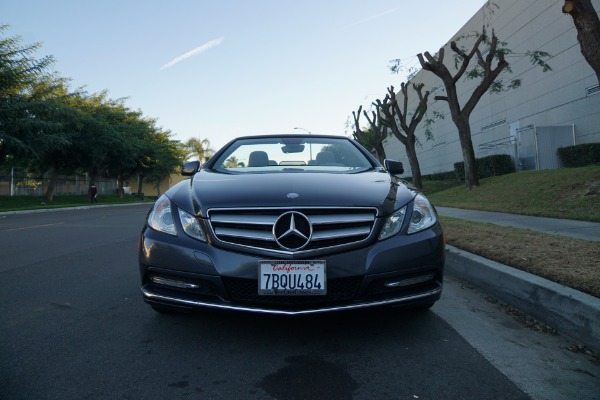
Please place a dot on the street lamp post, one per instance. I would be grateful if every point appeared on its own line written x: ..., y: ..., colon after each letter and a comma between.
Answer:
x: 310, y: 143
x: 305, y: 130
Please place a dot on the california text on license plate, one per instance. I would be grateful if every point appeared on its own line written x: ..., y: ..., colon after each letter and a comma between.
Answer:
x: 292, y: 278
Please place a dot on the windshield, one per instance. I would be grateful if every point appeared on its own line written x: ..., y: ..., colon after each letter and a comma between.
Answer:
x: 289, y: 154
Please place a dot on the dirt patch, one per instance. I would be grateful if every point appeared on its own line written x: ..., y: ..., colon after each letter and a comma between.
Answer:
x: 570, y: 262
x: 593, y: 189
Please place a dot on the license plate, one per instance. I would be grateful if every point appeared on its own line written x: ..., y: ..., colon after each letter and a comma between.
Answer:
x: 292, y: 278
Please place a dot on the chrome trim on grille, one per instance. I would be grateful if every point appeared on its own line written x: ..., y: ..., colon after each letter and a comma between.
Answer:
x: 241, y: 233
x: 348, y: 232
x: 245, y: 219
x: 323, y: 219
x: 252, y: 228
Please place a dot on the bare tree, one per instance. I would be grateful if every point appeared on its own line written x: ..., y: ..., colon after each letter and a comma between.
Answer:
x: 373, y: 137
x: 487, y: 68
x: 403, y: 125
x: 587, y: 24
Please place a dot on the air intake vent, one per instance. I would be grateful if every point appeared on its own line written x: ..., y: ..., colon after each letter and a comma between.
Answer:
x: 493, y: 124
x: 592, y: 90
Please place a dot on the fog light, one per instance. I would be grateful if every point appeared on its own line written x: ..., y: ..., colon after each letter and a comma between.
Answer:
x: 173, y: 283
x: 409, y: 282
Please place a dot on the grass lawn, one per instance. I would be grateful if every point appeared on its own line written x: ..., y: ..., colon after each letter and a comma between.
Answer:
x: 570, y: 262
x: 20, y: 203
x: 551, y: 193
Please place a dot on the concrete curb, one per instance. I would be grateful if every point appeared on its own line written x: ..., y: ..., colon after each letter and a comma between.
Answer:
x: 569, y: 311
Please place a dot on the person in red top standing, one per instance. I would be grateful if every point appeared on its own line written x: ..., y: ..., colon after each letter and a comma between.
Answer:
x: 93, y: 194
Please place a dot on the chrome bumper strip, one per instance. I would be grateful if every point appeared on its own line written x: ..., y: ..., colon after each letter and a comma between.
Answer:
x: 190, y: 303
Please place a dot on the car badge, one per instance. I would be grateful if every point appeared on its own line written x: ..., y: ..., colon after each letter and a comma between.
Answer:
x: 292, y: 231
x: 292, y: 195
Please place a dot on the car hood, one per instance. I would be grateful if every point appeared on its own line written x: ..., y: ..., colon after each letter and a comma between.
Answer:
x: 373, y: 188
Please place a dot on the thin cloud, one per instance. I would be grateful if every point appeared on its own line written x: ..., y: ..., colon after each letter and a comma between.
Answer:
x: 195, y: 52
x: 362, y: 21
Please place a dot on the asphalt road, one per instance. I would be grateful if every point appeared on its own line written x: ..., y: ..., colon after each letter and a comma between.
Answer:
x: 73, y: 326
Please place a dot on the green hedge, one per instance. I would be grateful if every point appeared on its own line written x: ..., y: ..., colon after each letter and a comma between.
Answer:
x: 440, y: 176
x: 495, y: 165
x: 580, y: 155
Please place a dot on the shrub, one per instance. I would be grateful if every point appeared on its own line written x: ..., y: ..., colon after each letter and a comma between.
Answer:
x: 580, y: 155
x: 440, y: 176
x: 494, y: 165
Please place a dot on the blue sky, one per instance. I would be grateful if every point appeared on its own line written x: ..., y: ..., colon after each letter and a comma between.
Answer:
x: 228, y: 68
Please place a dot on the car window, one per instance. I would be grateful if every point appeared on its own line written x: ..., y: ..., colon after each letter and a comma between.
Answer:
x: 292, y: 154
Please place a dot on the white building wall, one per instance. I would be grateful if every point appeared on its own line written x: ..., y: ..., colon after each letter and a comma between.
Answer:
x: 557, y: 97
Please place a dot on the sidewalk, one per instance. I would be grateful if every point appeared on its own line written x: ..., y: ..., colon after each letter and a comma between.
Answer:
x: 565, y: 227
x: 571, y: 312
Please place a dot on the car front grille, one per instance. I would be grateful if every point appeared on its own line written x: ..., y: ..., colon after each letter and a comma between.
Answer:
x: 253, y: 228
x: 245, y: 292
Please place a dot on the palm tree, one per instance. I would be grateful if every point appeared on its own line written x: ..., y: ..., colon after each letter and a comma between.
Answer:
x: 232, y: 162
x: 200, y: 148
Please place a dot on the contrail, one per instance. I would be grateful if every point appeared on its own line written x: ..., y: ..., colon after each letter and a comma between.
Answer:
x: 374, y: 17
x: 195, y: 52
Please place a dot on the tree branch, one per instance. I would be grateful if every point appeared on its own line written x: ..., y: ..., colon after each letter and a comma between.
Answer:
x: 466, y: 58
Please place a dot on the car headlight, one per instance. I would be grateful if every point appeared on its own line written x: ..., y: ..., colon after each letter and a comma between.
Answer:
x: 191, y: 225
x: 393, y: 223
x: 423, y: 216
x: 161, y: 218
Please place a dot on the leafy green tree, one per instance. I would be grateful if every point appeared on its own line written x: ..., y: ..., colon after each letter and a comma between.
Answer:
x: 51, y: 129
x: 163, y: 158
x: 100, y: 135
x: 123, y: 159
x: 70, y: 125
x: 26, y: 89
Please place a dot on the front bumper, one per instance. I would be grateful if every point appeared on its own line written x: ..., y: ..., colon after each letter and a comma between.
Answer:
x: 185, y: 274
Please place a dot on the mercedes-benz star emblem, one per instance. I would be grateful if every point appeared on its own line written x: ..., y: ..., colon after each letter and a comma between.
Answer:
x: 292, y: 230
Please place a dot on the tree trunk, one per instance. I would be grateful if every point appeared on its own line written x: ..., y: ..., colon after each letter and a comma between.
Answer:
x: 120, y: 189
x: 380, y: 152
x: 140, y: 183
x: 414, y: 164
x: 587, y: 24
x: 49, y: 196
x: 466, y: 143
x: 93, y: 177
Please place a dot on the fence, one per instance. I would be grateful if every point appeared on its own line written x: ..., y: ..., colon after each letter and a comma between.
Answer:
x: 19, y: 183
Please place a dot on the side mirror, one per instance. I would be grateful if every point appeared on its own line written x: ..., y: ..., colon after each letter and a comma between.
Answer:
x: 190, y: 168
x: 393, y: 167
